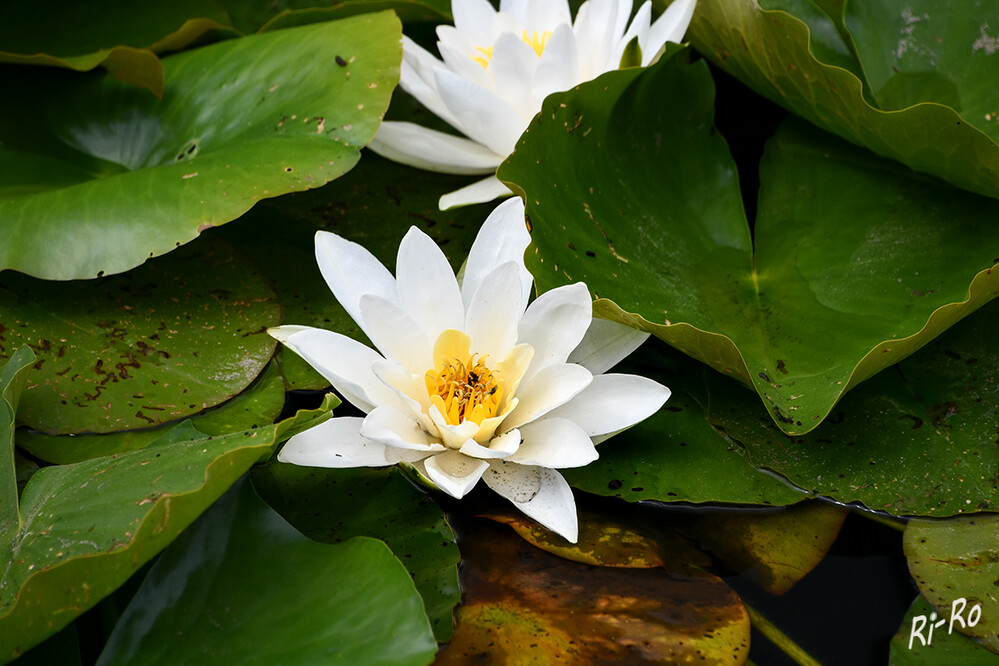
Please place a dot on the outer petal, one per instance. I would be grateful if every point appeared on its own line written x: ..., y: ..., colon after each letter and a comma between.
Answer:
x: 551, y: 502
x: 512, y: 67
x: 556, y: 443
x: 424, y: 148
x: 428, y: 290
x: 495, y: 311
x: 392, y: 428
x: 481, y: 114
x: 463, y: 57
x: 612, y: 403
x: 344, y: 362
x: 394, y: 333
x: 639, y: 28
x: 554, y: 324
x: 454, y: 472
x: 546, y: 15
x: 416, y: 76
x: 475, y: 19
x: 670, y: 27
x: 553, y: 386
x: 503, y: 237
x: 606, y: 344
x: 351, y: 271
x: 558, y: 68
x: 337, y: 443
x: 480, y: 191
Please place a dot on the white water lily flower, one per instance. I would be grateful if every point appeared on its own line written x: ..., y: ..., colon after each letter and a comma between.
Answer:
x: 468, y: 381
x: 498, y: 67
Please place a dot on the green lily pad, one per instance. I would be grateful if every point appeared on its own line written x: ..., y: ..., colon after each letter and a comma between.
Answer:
x: 523, y: 605
x: 162, y: 342
x: 87, y: 527
x: 259, y: 405
x: 955, y: 561
x: 302, y: 12
x: 356, y: 207
x: 917, y: 439
x: 677, y: 454
x: 13, y: 375
x: 769, y: 50
x: 825, y: 41
x: 631, y: 190
x: 99, y: 176
x: 914, y: 645
x: 332, y: 506
x: 243, y: 586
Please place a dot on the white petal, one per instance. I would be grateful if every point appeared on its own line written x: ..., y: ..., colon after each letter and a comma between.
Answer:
x: 395, y: 334
x: 606, y: 344
x: 554, y: 325
x: 612, y: 403
x: 599, y: 26
x: 475, y: 19
x: 424, y: 148
x: 480, y: 191
x: 336, y: 443
x: 482, y: 115
x: 639, y: 28
x: 392, y: 428
x: 670, y: 27
x: 546, y: 15
x: 558, y: 68
x: 454, y: 436
x: 473, y: 449
x: 345, y: 363
x: 416, y: 76
x: 512, y: 67
x: 495, y: 311
x: 409, y: 389
x: 503, y: 237
x: 454, y: 472
x: 463, y: 59
x: 551, y: 504
x: 428, y: 290
x: 351, y: 271
x: 556, y: 443
x: 553, y: 386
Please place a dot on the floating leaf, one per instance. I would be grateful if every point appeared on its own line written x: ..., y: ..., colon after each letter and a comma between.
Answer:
x: 13, y: 375
x: 678, y: 455
x: 525, y: 604
x: 260, y: 404
x: 309, y: 11
x: 630, y: 189
x: 332, y: 506
x: 916, y: 439
x: 243, y: 586
x: 92, y: 159
x: 86, y: 528
x: 955, y: 563
x: 163, y: 342
x: 769, y: 51
x: 943, y: 649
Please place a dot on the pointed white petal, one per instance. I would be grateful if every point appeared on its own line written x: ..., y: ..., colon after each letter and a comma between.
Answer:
x: 473, y: 449
x: 554, y: 325
x: 551, y: 504
x: 612, y: 403
x: 454, y: 472
x: 395, y: 334
x: 336, y: 443
x: 546, y: 15
x: 345, y: 363
x: 553, y: 386
x: 409, y: 389
x: 424, y: 148
x: 639, y: 28
x: 606, y: 344
x: 558, y: 68
x: 480, y: 191
x: 416, y: 76
x: 556, y: 443
x: 482, y: 115
x: 495, y: 311
x: 503, y: 237
x: 475, y: 19
x: 464, y: 61
x: 392, y: 428
x: 512, y: 68
x: 428, y: 290
x: 670, y: 27
x: 351, y: 271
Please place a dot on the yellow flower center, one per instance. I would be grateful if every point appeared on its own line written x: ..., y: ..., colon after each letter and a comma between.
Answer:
x: 464, y: 389
x: 534, y: 40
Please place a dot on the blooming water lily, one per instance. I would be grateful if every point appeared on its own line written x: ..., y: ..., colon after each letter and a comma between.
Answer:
x: 469, y: 382
x: 498, y: 67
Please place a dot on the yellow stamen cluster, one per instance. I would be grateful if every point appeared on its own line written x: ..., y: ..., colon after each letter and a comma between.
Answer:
x: 534, y: 40
x: 464, y: 391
